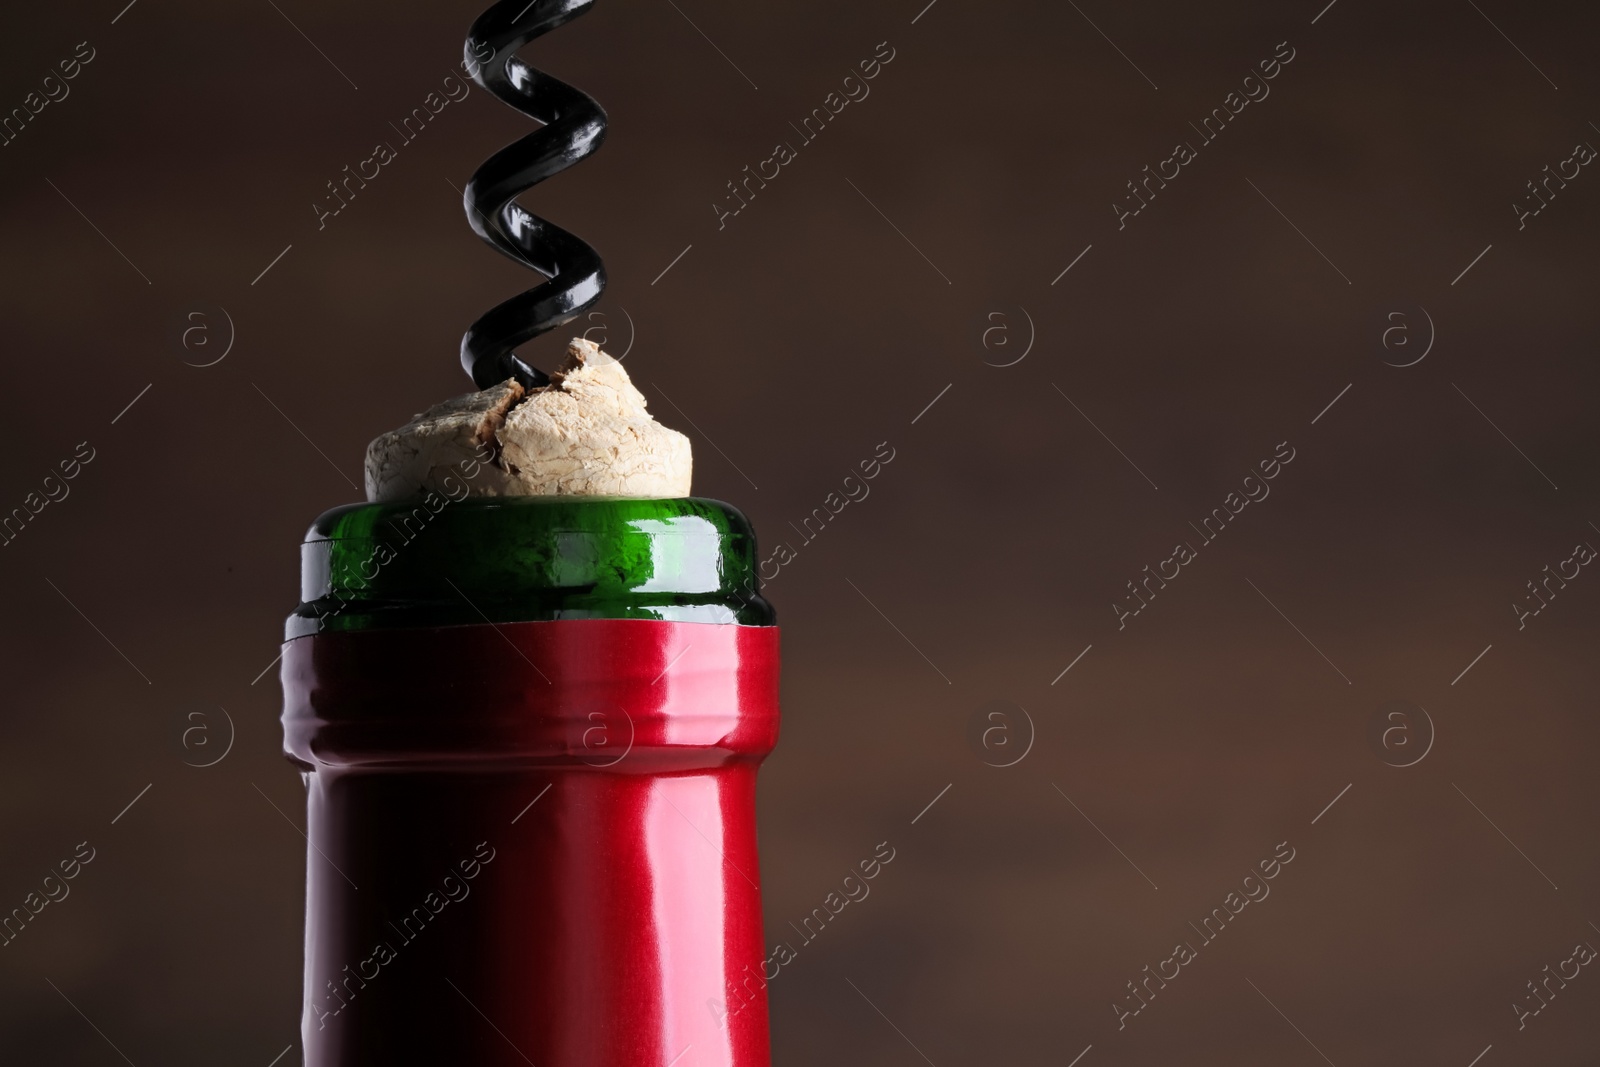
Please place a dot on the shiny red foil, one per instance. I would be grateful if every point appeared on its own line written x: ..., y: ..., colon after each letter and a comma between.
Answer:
x: 534, y: 843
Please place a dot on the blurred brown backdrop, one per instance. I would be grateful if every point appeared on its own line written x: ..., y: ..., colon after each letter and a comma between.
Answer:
x: 823, y: 320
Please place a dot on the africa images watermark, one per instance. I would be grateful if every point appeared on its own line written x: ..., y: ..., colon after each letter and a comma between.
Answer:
x: 1255, y: 489
x: 53, y: 889
x: 1255, y: 890
x: 853, y: 488
x: 1583, y: 954
x: 411, y: 126
x: 55, y: 489
x: 745, y: 987
x: 1255, y: 89
x: 410, y: 526
x: 55, y: 89
x: 452, y: 889
x: 1582, y: 554
x: 854, y: 90
x: 1582, y: 155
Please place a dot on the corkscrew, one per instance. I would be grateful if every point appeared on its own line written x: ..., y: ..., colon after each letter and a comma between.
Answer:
x: 574, y: 126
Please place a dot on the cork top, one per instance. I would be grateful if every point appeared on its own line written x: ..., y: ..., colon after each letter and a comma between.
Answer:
x: 587, y: 433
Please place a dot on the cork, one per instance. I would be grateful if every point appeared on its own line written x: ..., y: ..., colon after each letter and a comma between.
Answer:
x: 587, y: 433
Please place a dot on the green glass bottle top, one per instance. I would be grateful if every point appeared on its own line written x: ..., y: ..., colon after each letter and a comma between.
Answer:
x: 436, y: 562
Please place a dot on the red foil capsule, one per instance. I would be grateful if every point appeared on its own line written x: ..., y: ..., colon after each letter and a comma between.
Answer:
x: 534, y: 842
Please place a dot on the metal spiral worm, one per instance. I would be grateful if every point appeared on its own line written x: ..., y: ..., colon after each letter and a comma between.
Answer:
x: 574, y: 127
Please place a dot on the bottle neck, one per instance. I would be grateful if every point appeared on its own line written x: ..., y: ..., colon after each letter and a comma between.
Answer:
x: 437, y: 562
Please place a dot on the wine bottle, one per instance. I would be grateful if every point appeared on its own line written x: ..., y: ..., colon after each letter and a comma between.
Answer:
x: 529, y: 730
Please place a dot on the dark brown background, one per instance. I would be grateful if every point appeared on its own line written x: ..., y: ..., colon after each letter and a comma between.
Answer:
x: 797, y: 339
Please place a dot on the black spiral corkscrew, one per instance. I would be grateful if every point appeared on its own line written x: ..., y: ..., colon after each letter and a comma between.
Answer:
x: 574, y: 126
